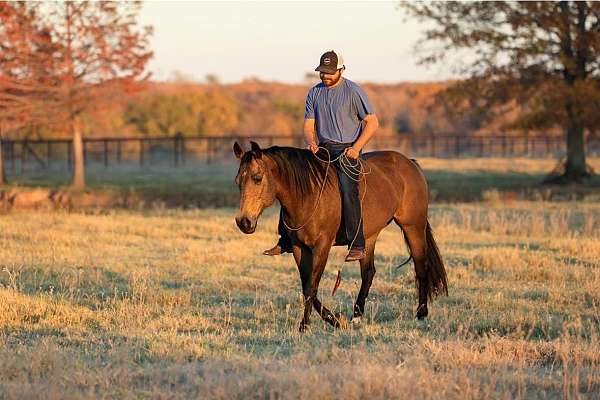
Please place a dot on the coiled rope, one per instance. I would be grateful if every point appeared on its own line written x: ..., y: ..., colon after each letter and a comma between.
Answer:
x: 355, y: 171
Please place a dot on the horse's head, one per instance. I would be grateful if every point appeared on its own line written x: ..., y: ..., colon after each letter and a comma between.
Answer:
x: 257, y: 189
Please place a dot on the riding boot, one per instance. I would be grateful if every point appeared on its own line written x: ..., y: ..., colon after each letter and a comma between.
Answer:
x: 284, y: 244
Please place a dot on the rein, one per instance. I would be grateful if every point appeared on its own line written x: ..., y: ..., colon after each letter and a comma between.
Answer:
x: 353, y: 171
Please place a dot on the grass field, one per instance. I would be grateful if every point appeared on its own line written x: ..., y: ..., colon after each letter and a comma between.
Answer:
x: 180, y: 304
x: 202, y: 185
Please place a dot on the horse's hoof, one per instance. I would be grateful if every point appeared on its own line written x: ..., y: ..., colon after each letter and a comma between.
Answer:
x: 420, y: 317
x: 422, y: 312
x: 356, y: 321
x: 341, y: 321
x: 303, y: 327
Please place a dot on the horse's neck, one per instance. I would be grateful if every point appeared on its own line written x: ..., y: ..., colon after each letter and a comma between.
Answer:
x: 297, y: 207
x: 291, y: 201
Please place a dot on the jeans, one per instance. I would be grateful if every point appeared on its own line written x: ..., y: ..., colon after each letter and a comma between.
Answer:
x: 351, y: 210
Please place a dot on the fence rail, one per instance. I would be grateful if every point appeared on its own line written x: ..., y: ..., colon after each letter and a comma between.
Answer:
x: 22, y: 155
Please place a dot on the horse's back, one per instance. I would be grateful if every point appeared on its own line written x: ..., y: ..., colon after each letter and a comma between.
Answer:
x: 393, y: 175
x: 396, y: 165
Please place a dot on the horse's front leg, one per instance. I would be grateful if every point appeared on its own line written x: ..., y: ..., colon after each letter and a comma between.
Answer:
x: 327, y: 315
x: 311, y: 264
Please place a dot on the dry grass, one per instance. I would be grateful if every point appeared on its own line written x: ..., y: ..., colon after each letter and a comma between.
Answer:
x: 179, y: 304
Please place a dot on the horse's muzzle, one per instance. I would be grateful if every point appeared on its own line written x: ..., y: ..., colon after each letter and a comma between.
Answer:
x: 245, y: 224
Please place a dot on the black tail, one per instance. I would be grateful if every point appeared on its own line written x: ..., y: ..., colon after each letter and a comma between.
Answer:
x: 436, y: 273
x: 407, y: 248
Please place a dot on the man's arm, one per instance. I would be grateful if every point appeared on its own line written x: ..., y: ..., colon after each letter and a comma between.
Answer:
x: 371, y: 125
x: 309, y: 134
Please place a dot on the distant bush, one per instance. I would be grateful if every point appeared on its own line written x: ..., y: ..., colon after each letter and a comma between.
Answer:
x: 192, y: 113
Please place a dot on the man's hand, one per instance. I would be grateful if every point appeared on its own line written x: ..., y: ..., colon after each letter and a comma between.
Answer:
x: 352, y: 153
x: 313, y: 147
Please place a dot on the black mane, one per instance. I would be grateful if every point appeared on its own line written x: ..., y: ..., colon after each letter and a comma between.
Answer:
x: 299, y: 168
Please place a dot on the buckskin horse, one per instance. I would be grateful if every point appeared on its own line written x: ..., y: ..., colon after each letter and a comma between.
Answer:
x: 307, y: 189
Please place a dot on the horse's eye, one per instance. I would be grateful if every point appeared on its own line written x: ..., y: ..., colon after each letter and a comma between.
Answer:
x: 257, y: 178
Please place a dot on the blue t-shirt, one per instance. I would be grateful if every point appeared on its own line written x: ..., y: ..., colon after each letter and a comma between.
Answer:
x: 338, y: 111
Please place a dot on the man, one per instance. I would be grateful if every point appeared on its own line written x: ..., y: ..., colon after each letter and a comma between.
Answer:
x: 345, y: 121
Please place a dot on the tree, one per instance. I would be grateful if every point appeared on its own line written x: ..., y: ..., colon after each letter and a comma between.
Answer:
x: 210, y: 113
x: 2, y: 174
x: 96, y: 52
x: 542, y: 56
x: 212, y: 79
x: 25, y: 62
x: 162, y: 114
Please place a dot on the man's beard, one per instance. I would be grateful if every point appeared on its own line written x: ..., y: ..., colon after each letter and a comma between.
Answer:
x: 332, y: 82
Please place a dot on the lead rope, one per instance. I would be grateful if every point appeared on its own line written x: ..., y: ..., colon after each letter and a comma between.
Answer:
x: 353, y: 171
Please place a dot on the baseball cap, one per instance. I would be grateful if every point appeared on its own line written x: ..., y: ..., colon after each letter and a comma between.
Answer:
x: 330, y: 62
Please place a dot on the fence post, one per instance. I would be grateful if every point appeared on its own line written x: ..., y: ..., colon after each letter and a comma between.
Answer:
x: 457, y: 146
x: 23, y: 155
x: 175, y: 151
x: 209, y: 146
x: 12, y: 157
x: 119, y: 143
x: 177, y: 146
x: 69, y: 155
x: 141, y: 152
x: 48, y: 153
x: 105, y: 153
x: 183, y: 149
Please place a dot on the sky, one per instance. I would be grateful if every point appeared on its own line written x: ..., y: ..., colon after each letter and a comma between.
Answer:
x: 282, y: 41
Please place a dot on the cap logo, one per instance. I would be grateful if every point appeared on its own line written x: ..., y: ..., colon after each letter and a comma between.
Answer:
x: 326, y: 61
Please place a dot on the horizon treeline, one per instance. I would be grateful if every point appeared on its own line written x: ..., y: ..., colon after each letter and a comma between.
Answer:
x: 256, y: 107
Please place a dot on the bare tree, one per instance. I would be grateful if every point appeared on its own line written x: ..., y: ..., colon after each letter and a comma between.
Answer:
x: 543, y: 56
x: 94, y: 52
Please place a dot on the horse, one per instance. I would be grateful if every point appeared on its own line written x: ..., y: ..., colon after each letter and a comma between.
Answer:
x: 395, y: 189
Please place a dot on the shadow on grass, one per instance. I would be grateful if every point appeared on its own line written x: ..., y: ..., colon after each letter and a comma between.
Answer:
x: 485, y: 185
x: 89, y: 287
x: 212, y: 185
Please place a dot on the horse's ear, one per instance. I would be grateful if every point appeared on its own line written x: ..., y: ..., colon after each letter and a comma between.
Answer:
x: 256, y: 149
x: 237, y: 150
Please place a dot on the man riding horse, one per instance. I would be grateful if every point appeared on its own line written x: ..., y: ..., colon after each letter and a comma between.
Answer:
x: 345, y: 121
x: 315, y: 216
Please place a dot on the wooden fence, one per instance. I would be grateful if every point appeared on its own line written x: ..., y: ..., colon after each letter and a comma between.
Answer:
x: 22, y: 155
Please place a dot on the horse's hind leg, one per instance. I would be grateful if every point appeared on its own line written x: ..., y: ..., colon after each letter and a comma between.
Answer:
x: 367, y: 272
x: 417, y: 242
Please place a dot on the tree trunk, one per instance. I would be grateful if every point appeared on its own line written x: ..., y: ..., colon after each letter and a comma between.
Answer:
x: 78, y: 161
x: 575, y: 167
x: 2, y: 176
